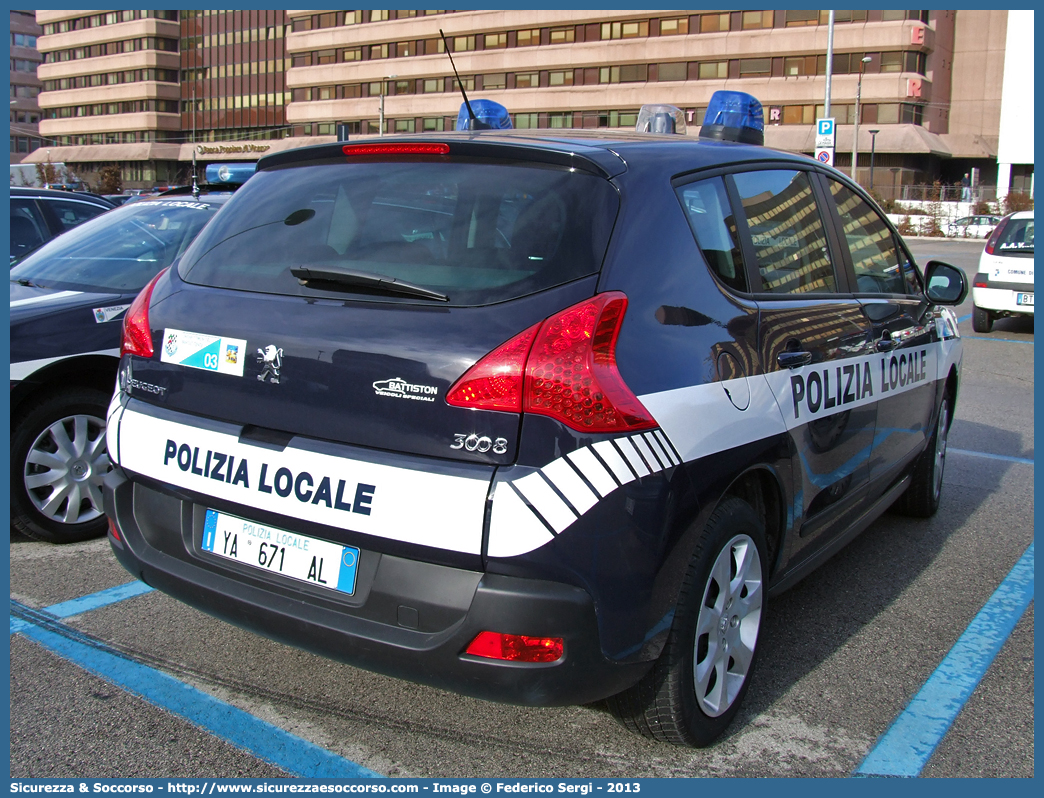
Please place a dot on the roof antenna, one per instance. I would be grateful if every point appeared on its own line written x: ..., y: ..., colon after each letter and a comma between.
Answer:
x: 474, y: 123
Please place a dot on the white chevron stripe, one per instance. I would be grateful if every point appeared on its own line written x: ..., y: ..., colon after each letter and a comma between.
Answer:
x: 513, y: 529
x: 564, y: 478
x: 545, y: 501
x: 629, y: 451
x: 593, y: 470
x: 612, y: 458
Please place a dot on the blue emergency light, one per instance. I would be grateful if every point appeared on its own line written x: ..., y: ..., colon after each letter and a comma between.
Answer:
x: 660, y: 119
x: 230, y: 172
x: 493, y: 114
x: 734, y: 116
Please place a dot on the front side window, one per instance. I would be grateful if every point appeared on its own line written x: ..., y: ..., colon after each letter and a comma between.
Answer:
x: 787, y: 232
x: 710, y: 216
x: 875, y: 258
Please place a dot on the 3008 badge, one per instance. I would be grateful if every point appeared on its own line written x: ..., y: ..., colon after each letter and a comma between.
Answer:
x: 479, y: 443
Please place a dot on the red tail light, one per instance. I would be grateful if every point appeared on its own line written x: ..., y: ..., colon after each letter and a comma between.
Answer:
x: 569, y: 372
x: 137, y: 336
x: 996, y: 234
x: 516, y: 648
x: 396, y: 149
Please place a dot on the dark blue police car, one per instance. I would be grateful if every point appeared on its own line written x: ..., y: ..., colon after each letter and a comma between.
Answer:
x: 540, y: 418
x: 67, y: 304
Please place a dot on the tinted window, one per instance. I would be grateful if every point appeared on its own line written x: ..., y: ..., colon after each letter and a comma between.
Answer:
x: 476, y: 232
x: 1016, y: 238
x: 71, y: 213
x: 787, y: 232
x: 710, y: 216
x: 28, y: 229
x: 120, y: 251
x: 875, y: 258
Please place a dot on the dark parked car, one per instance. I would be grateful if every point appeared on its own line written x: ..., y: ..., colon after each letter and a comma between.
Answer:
x: 67, y: 304
x: 39, y: 214
x: 539, y: 417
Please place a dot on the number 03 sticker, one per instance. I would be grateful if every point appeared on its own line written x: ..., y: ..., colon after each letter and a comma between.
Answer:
x: 481, y: 444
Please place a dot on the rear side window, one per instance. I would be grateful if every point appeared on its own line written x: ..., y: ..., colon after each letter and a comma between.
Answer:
x: 787, y: 232
x: 28, y: 229
x: 710, y: 216
x: 477, y: 232
x: 71, y: 213
x: 875, y: 258
x: 1016, y: 238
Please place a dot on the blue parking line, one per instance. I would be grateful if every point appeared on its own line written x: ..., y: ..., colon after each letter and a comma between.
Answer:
x: 964, y: 318
x: 1006, y: 340
x: 102, y: 598
x: 1005, y: 457
x: 260, y: 738
x: 907, y: 746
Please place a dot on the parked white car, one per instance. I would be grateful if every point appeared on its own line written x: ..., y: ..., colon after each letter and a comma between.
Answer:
x: 972, y: 226
x: 1003, y: 285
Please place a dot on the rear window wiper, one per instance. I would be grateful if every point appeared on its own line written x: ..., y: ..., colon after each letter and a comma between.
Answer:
x: 350, y: 277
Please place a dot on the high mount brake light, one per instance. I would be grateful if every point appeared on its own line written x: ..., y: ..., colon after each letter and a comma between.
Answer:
x: 395, y: 149
x: 516, y: 648
x: 564, y: 368
x: 137, y: 336
x: 996, y: 234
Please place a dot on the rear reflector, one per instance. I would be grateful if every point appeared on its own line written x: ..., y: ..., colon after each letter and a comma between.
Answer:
x: 396, y: 149
x: 564, y: 368
x: 137, y: 336
x: 114, y: 531
x: 517, y: 648
x: 981, y: 284
x: 996, y: 234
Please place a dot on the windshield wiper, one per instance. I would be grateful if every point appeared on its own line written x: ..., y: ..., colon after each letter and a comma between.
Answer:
x: 350, y: 277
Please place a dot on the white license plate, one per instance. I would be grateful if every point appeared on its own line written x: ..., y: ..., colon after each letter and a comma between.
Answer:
x: 267, y: 548
x: 1024, y: 299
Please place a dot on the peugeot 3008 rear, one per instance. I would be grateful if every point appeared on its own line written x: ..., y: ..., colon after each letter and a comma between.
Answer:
x: 313, y: 406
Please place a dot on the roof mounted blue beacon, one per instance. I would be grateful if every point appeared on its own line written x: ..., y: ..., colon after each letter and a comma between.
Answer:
x: 236, y: 173
x: 494, y: 115
x: 734, y: 116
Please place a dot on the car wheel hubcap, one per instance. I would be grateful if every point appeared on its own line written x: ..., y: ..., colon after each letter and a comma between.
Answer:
x: 940, y: 448
x: 65, y: 468
x: 727, y: 626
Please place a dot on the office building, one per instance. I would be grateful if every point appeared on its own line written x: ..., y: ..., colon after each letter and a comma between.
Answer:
x: 25, y: 85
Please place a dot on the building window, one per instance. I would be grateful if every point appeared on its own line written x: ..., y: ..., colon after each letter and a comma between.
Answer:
x: 433, y: 124
x: 677, y: 70
x: 526, y: 121
x: 497, y: 80
x: 405, y: 49
x: 302, y: 60
x: 713, y: 70
x: 753, y: 20
x: 560, y: 120
x: 431, y: 85
x: 351, y: 54
x: 799, y: 114
x: 560, y: 78
x: 378, y: 51
x: 326, y: 57
x: 528, y: 37
x: 495, y: 41
x: 842, y: 16
x: 800, y: 65
x: 797, y: 19
x: 463, y: 43
x: 434, y: 46
x: 629, y: 73
x: 674, y: 26
x: 567, y: 35
x: 527, y: 80
x: 405, y: 125
x: 625, y: 30
x: 891, y: 62
x: 888, y: 114
x: 714, y: 23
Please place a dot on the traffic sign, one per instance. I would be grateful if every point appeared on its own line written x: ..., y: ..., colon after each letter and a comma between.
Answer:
x: 825, y: 155
x: 824, y: 133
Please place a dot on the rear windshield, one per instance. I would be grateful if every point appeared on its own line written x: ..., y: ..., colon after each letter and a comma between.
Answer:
x: 1016, y: 238
x: 120, y: 250
x: 475, y: 232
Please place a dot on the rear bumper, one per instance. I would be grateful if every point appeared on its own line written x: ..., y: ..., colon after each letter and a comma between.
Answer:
x: 408, y: 619
x: 1001, y: 296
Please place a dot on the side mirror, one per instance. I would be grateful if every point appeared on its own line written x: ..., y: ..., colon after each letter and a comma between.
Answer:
x: 947, y: 285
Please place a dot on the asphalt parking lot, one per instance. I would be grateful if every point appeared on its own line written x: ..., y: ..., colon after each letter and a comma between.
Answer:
x: 842, y: 653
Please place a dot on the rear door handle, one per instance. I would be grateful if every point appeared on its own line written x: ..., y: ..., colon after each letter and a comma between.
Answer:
x: 793, y: 360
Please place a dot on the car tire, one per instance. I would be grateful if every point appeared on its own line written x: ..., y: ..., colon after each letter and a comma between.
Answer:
x: 58, y: 462
x: 696, y: 686
x: 921, y: 498
x: 982, y: 320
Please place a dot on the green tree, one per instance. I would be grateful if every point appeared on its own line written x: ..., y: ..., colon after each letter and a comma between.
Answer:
x: 110, y: 180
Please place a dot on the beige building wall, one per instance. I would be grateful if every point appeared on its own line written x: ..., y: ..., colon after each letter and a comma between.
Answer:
x: 977, y: 77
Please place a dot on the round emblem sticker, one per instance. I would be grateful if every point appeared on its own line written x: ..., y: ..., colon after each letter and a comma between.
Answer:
x: 348, y: 558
